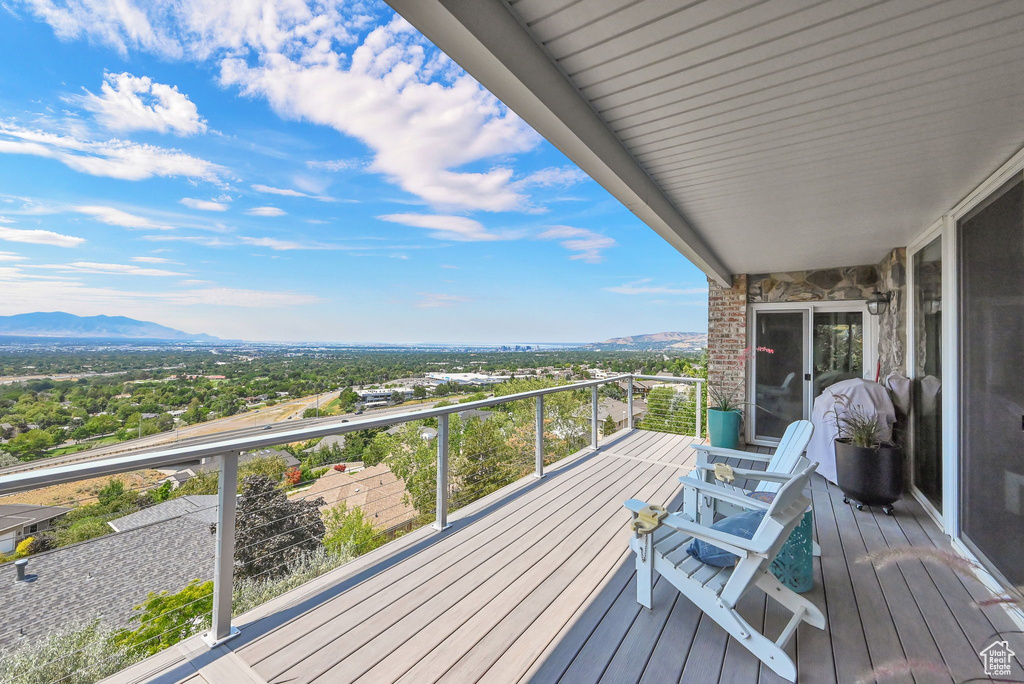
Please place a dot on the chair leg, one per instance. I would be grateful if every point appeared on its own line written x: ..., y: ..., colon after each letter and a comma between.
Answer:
x: 793, y: 601
x: 643, y: 547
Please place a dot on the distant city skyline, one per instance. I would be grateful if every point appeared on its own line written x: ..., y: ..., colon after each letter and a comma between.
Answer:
x: 272, y: 174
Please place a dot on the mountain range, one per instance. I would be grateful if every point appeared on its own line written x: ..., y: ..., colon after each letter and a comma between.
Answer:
x: 57, y: 324
x: 692, y: 341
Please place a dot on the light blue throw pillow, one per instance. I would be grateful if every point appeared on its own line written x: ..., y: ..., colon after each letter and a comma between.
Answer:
x: 741, y: 525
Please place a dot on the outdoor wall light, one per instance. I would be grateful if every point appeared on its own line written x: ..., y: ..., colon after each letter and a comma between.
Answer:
x: 878, y: 302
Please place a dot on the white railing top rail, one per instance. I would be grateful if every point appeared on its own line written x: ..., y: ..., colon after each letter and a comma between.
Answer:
x: 157, y: 457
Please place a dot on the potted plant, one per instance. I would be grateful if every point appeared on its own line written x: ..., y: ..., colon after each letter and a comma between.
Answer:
x: 868, y: 471
x: 724, y: 417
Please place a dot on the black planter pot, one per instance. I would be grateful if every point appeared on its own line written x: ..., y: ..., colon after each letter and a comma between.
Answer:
x: 870, y: 476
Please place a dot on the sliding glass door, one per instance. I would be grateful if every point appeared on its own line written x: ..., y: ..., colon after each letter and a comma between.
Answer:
x: 990, y: 245
x: 926, y: 373
x: 798, y: 350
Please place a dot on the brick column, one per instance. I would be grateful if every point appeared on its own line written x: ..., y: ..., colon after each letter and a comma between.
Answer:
x: 727, y: 335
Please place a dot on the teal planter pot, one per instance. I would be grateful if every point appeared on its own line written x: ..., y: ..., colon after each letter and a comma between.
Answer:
x: 724, y: 428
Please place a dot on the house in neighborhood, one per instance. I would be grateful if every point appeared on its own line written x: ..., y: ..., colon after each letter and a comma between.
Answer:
x: 20, y: 521
x: 376, y: 491
x: 107, y: 576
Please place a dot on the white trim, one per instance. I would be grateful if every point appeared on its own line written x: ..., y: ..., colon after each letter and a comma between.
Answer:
x: 910, y: 357
x: 869, y: 351
x: 951, y: 358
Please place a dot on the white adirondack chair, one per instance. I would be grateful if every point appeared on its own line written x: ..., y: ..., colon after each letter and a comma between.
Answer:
x: 717, y: 591
x: 787, y: 460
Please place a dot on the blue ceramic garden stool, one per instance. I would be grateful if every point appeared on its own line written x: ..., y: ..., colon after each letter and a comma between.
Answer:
x: 794, y: 566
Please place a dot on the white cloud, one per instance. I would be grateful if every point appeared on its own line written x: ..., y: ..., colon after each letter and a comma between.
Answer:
x: 134, y: 103
x: 448, y: 266
x: 11, y: 256
x: 457, y: 228
x: 203, y: 205
x: 336, y: 164
x: 152, y: 260
x: 36, y: 293
x: 251, y: 299
x: 194, y: 239
x: 39, y: 237
x: 116, y: 217
x: 641, y: 287
x: 265, y: 211
x: 423, y: 119
x: 433, y: 300
x: 553, y: 176
x: 287, y: 192
x: 111, y: 158
x: 272, y: 243
x: 108, y: 269
x: 587, y: 244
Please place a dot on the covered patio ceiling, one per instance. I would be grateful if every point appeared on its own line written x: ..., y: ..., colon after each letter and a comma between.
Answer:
x: 758, y: 136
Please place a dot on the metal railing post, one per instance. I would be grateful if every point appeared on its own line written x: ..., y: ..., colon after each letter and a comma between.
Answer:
x: 593, y: 417
x: 224, y: 560
x: 442, y: 473
x: 697, y: 416
x: 539, y: 472
x: 629, y: 402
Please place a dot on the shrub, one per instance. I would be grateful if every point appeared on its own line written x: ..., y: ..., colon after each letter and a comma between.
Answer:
x: 165, y: 619
x: 349, y: 533
x: 80, y: 655
x: 340, y: 467
x: 81, y: 530
x: 293, y: 476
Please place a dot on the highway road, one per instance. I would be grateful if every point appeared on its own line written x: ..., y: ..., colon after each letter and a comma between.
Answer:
x: 166, y: 439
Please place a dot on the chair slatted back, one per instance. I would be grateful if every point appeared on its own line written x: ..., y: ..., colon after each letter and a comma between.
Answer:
x: 787, y: 454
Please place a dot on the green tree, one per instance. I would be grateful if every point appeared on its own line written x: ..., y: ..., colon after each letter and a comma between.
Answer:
x: 349, y: 533
x: 419, y: 392
x: 272, y: 531
x: 31, y: 442
x: 610, y: 426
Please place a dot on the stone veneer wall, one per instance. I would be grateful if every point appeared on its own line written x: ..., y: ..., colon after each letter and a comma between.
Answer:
x: 727, y: 336
x: 892, y: 325
x: 825, y: 284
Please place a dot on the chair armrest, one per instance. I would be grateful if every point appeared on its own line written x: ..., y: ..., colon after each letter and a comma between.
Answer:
x: 763, y: 475
x: 708, y: 450
x: 730, y: 542
x: 722, y: 494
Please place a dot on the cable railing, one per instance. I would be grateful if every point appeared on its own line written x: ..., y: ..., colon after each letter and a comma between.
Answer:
x: 672, y: 405
x: 256, y: 530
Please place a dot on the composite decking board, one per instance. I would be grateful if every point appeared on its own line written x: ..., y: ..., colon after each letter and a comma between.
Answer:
x: 911, y: 625
x: 669, y: 654
x: 442, y: 637
x: 437, y: 557
x: 959, y: 593
x: 706, y: 657
x: 637, y: 646
x: 481, y: 641
x: 741, y: 666
x: 576, y: 619
x: 681, y: 452
x: 814, y: 646
x: 560, y: 651
x: 849, y: 647
x: 477, y: 565
x: 953, y: 645
x: 880, y: 631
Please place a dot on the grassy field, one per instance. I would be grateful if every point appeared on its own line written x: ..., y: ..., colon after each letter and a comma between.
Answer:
x: 82, y: 446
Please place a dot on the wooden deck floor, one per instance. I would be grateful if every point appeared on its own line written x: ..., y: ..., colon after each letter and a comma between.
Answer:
x: 535, y: 584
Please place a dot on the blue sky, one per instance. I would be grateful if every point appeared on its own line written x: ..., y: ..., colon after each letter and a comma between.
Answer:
x: 288, y: 173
